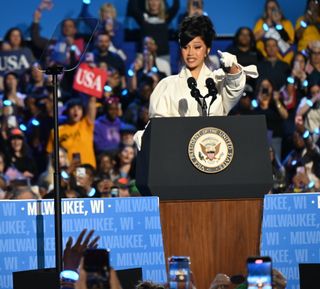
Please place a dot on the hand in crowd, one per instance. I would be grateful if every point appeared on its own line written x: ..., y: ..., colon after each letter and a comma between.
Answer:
x: 279, y: 281
x: 73, y: 253
x: 276, y: 96
x: 82, y: 282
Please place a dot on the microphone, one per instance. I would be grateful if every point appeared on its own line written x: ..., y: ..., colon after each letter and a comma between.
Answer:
x: 192, y: 83
x: 212, y: 90
x: 195, y: 93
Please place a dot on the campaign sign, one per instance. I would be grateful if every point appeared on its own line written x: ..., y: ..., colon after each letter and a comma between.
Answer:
x: 90, y: 80
x: 129, y: 227
x: 291, y: 232
x: 18, y: 60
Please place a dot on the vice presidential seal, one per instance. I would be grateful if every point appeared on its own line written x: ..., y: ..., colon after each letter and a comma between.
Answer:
x: 210, y: 150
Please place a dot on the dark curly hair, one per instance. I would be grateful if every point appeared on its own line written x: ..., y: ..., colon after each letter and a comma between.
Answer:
x: 194, y: 26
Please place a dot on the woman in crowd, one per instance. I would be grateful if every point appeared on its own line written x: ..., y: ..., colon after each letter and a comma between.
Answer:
x: 15, y: 45
x: 155, y: 21
x: 21, y: 164
x: 309, y: 110
x: 313, y: 65
x: 270, y: 105
x: 244, y: 47
x: 307, y: 25
x: 273, y: 24
x: 124, y: 164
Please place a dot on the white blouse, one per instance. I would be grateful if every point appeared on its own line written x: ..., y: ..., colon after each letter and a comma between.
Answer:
x: 172, y: 98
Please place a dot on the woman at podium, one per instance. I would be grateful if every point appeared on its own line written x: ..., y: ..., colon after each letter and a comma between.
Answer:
x: 197, y: 90
x: 172, y: 96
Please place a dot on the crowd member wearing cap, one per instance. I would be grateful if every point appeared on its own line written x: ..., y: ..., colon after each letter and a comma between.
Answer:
x: 127, y: 132
x: 107, y: 128
x: 20, y: 162
x: 76, y: 135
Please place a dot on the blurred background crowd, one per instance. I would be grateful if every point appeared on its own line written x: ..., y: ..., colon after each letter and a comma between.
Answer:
x: 104, y: 95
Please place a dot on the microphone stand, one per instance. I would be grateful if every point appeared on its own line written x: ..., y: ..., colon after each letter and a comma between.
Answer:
x: 55, y: 71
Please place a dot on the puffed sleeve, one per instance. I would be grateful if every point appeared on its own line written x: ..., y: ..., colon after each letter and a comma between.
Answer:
x: 231, y: 86
x: 160, y: 99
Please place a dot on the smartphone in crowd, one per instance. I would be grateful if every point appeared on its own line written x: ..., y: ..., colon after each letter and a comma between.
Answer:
x: 96, y: 263
x: 76, y: 157
x: 114, y: 192
x: 264, y: 90
x: 259, y: 272
x: 179, y: 272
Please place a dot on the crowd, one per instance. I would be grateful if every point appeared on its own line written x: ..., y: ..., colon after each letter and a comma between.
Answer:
x: 104, y: 100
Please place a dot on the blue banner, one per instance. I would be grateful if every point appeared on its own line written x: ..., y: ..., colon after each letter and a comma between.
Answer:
x: 291, y: 232
x: 129, y: 227
x: 17, y: 60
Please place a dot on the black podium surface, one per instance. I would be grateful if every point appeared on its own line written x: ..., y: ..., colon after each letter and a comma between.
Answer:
x: 165, y: 169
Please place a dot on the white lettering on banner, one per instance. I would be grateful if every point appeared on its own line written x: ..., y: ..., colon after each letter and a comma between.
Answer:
x: 126, y: 223
x: 12, y: 227
x: 155, y: 240
x: 139, y: 258
x: 97, y: 206
x: 6, y: 281
x: 122, y: 241
x: 301, y: 255
x: 290, y: 220
x: 89, y: 79
x: 305, y: 238
x: 152, y: 223
x: 14, y: 62
x: 136, y: 205
x: 25, y: 245
x: 10, y: 263
x: 272, y: 238
x: 156, y: 275
x: 76, y: 225
x: 300, y: 202
x: 291, y: 273
x: 9, y: 209
x: 47, y: 208
x: 279, y: 203
x: 278, y: 256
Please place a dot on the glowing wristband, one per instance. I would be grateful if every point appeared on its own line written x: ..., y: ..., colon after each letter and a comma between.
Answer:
x: 265, y: 27
x: 303, y: 24
x: 306, y: 134
x: 309, y: 102
x: 69, y: 275
x: 279, y: 27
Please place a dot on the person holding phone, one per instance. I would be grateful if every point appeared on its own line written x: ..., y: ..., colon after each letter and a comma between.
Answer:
x: 194, y: 7
x: 273, y: 24
x: 270, y: 105
x: 307, y: 25
x: 77, y: 133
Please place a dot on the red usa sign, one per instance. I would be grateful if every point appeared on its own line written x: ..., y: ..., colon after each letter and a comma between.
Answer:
x: 90, y: 80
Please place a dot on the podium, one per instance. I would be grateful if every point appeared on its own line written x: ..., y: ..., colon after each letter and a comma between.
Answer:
x: 215, y: 218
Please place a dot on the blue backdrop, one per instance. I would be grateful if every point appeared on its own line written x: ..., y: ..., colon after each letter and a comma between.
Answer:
x: 129, y: 227
x: 291, y: 232
x: 226, y: 15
